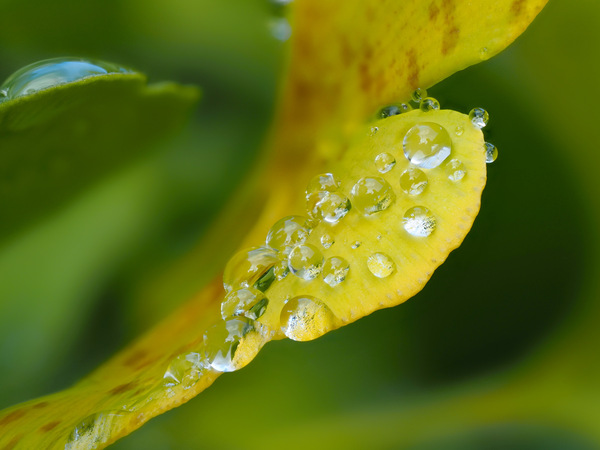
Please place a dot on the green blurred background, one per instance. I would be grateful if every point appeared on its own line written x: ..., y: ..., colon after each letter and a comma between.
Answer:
x: 500, y: 350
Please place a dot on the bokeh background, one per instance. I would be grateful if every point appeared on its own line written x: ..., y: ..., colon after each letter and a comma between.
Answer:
x: 500, y: 350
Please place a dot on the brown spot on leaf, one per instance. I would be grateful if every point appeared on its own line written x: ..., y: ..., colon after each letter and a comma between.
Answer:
x: 122, y: 388
x: 40, y: 405
x: 135, y: 358
x: 517, y: 7
x: 15, y: 415
x: 49, y: 426
x: 433, y: 11
x: 13, y: 442
x: 450, y: 40
x: 413, y: 69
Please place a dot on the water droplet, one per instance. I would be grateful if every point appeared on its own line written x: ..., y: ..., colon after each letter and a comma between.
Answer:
x: 381, y: 265
x: 491, y: 153
x: 305, y: 318
x: 185, y: 369
x: 306, y: 261
x: 456, y: 170
x: 247, y: 302
x: 327, y: 241
x: 94, y: 430
x: 483, y: 53
x: 374, y: 130
x: 245, y: 268
x: 418, y: 95
x: 419, y: 221
x: 287, y: 233
x: 459, y: 130
x: 356, y: 244
x: 393, y: 110
x: 372, y: 194
x: 335, y: 270
x: 281, y: 270
x: 233, y: 343
x: 427, y: 145
x: 265, y: 281
x: 429, y: 104
x: 479, y: 117
x: 323, y: 182
x: 413, y: 181
x: 384, y: 162
x: 329, y: 206
x: 280, y: 28
x: 54, y: 72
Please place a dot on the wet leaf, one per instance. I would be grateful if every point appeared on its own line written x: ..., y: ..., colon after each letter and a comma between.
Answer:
x: 75, y: 134
x: 335, y: 84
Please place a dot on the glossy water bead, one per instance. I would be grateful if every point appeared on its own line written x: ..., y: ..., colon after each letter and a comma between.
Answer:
x: 479, y: 117
x: 327, y: 241
x: 419, y: 221
x: 246, y: 267
x: 384, y: 162
x: 418, y: 95
x: 305, y: 261
x: 335, y: 270
x: 247, y: 302
x: 455, y: 170
x: 329, y: 206
x: 287, y: 233
x: 222, y: 342
x: 323, y: 182
x: 427, y: 145
x: 429, y: 104
x: 491, y: 153
x: 372, y: 194
x: 185, y: 369
x: 54, y: 72
x: 413, y: 181
x: 305, y: 318
x: 394, y: 110
x: 380, y: 265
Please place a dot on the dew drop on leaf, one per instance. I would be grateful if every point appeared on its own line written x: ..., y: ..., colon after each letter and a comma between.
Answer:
x: 372, y: 194
x: 427, y: 145
x: 380, y: 265
x: 304, y: 318
x: 419, y: 221
x: 413, y: 181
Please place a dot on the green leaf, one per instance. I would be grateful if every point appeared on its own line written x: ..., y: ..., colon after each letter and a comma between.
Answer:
x: 58, y: 141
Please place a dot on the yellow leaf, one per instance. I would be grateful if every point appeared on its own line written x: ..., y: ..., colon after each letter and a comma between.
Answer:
x: 347, y: 60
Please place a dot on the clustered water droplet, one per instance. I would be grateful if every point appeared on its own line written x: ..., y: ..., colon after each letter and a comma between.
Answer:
x: 185, y: 370
x: 419, y: 221
x: 418, y: 95
x: 247, y: 267
x: 335, y: 270
x: 372, y: 194
x: 327, y: 241
x: 479, y: 117
x: 413, y: 181
x: 247, y: 302
x: 427, y: 145
x: 384, y: 162
x: 491, y: 153
x: 287, y: 233
x: 455, y: 170
x: 306, y: 262
x: 380, y: 265
x: 429, y: 104
x: 305, y: 318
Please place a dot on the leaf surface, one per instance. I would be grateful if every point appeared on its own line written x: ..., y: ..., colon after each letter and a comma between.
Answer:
x: 347, y: 60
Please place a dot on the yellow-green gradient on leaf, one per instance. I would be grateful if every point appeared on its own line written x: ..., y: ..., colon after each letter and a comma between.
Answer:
x: 346, y: 61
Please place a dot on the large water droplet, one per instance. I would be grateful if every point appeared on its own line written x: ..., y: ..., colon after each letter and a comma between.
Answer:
x: 233, y: 343
x: 329, y: 206
x: 287, y: 233
x: 419, y: 221
x: 335, y: 270
x: 94, y: 430
x: 455, y: 170
x: 306, y: 261
x: 372, y: 194
x: 413, y: 181
x: 245, y: 268
x: 384, y: 162
x: 491, y: 153
x: 53, y: 72
x: 304, y: 318
x: 185, y: 369
x: 429, y: 104
x: 427, y: 145
x: 479, y: 117
x: 381, y: 265
x: 248, y: 302
x: 418, y: 95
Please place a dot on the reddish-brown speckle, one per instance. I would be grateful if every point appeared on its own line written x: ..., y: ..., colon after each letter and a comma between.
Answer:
x: 15, y: 415
x: 49, y: 426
